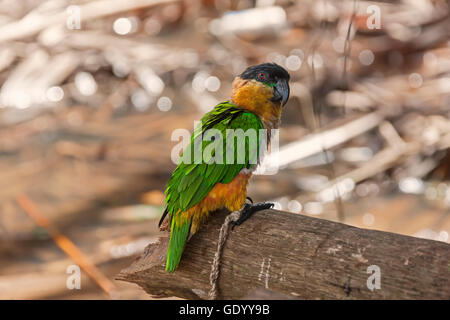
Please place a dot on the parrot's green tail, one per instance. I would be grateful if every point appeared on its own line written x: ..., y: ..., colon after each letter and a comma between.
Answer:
x: 179, y: 232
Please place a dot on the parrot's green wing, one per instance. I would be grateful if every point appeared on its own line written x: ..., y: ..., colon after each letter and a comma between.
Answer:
x: 191, y: 182
x: 203, y: 165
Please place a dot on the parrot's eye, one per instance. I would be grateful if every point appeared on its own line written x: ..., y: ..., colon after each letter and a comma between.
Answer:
x: 261, y: 76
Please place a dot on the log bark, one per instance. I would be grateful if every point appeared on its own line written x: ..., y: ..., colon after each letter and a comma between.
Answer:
x: 299, y: 256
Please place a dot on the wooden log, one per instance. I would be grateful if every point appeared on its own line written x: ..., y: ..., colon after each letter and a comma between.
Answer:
x: 266, y: 294
x: 300, y: 256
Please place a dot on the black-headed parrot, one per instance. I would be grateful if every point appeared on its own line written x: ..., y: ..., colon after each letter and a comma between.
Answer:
x: 202, y: 185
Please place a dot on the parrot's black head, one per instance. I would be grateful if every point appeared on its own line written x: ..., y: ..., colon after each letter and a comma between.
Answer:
x: 272, y: 75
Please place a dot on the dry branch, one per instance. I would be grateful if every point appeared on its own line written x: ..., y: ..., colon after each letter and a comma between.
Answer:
x: 299, y: 256
x: 35, y: 22
x: 318, y: 142
x: 67, y: 246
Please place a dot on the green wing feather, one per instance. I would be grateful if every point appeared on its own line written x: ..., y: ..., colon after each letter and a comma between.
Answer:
x: 191, y: 182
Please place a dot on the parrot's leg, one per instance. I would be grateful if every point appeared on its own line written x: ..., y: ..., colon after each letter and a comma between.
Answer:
x: 249, y: 209
x: 250, y: 199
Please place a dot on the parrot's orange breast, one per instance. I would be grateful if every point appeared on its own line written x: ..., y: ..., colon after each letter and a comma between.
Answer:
x: 230, y: 195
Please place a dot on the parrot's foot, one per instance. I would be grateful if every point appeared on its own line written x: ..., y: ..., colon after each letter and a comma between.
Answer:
x: 249, y: 209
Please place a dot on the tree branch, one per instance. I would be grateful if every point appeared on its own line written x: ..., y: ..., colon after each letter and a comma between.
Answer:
x: 299, y: 256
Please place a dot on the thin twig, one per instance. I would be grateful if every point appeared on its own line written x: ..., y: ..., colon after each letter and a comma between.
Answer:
x: 67, y: 245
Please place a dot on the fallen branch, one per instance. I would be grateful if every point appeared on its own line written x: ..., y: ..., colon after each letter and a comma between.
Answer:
x: 67, y: 246
x: 34, y: 22
x: 298, y: 256
x: 315, y: 143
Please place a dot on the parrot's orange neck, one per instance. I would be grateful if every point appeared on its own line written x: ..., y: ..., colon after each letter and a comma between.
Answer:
x: 255, y: 97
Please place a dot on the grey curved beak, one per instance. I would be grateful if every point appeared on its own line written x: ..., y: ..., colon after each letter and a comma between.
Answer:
x: 281, y: 92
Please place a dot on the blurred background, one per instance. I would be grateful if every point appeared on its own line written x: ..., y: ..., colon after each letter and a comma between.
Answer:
x: 91, y: 91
